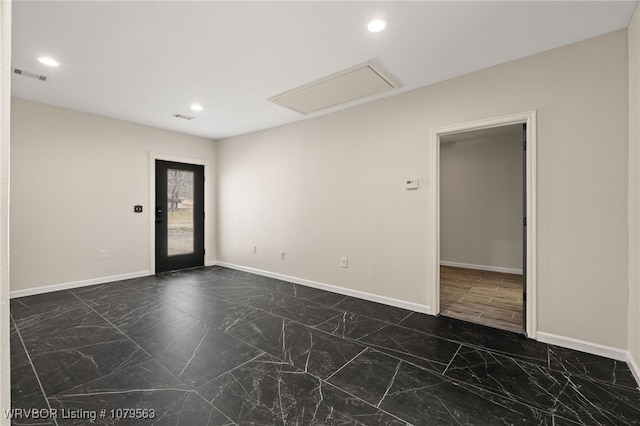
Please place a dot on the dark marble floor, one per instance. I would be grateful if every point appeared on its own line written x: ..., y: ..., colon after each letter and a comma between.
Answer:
x: 214, y: 346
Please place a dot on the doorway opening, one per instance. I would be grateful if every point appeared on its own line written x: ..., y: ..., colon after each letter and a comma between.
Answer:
x: 484, y: 222
x: 482, y: 248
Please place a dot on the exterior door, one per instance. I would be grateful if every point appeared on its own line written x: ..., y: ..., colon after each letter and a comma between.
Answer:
x: 179, y: 215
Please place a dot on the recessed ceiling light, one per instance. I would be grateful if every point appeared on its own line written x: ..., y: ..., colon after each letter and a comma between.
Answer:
x: 376, y: 25
x: 48, y: 61
x: 196, y: 107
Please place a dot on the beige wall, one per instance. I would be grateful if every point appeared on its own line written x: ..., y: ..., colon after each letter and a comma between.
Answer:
x: 634, y: 188
x: 5, y: 102
x: 481, y: 186
x: 332, y: 187
x: 75, y: 178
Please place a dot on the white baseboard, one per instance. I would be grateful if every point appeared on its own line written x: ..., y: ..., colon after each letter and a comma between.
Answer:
x: 481, y: 267
x: 635, y: 368
x: 76, y: 284
x: 328, y: 287
x: 584, y: 346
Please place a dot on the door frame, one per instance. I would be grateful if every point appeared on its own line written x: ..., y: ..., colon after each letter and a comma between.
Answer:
x: 208, y: 195
x: 528, y: 118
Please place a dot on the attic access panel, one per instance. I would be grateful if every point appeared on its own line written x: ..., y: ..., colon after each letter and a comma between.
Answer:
x: 344, y: 86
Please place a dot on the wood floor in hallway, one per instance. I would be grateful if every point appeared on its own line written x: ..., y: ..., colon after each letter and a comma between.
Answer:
x: 482, y: 297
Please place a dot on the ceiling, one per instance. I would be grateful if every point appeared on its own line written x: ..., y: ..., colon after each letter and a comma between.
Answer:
x: 145, y: 61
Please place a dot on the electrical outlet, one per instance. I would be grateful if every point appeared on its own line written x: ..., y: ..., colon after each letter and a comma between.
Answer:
x: 103, y: 254
x: 344, y: 262
x: 254, y: 249
x: 282, y: 255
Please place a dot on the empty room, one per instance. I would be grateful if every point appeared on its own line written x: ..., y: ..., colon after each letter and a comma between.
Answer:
x: 235, y: 213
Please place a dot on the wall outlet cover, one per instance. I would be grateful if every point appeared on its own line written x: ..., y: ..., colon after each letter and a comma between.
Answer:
x: 411, y: 184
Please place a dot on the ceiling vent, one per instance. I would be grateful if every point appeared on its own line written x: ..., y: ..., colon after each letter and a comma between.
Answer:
x: 30, y: 74
x: 184, y: 117
x: 353, y: 83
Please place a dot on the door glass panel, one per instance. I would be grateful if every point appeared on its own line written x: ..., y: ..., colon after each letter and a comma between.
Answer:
x: 180, y: 235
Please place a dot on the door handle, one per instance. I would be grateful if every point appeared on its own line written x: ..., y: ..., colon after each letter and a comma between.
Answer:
x: 158, y: 215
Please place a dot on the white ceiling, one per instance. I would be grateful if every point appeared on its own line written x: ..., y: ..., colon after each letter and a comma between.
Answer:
x: 145, y: 61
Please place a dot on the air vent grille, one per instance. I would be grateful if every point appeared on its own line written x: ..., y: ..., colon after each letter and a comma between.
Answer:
x: 184, y: 117
x: 30, y: 74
